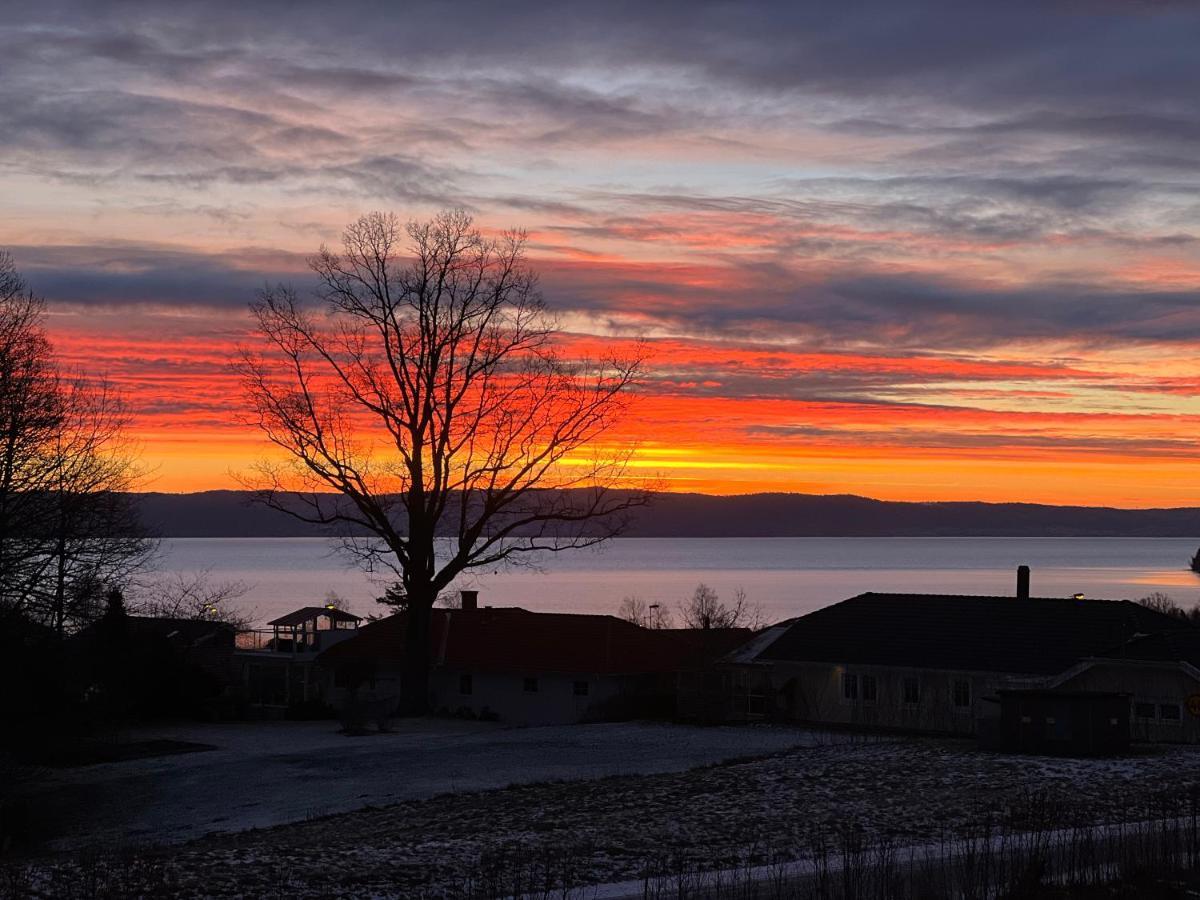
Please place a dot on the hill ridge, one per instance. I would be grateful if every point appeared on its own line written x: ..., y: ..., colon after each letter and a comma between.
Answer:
x: 229, y: 513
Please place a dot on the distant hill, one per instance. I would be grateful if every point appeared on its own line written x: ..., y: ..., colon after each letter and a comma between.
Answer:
x: 229, y: 514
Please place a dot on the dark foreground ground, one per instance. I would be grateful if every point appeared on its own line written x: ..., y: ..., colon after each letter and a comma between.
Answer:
x: 829, y: 801
x: 256, y: 775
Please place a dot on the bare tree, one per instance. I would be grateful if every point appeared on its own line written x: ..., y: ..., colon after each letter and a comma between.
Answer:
x: 706, y: 610
x: 648, y: 615
x: 1166, y: 604
x: 426, y: 399
x: 68, y: 529
x: 193, y: 595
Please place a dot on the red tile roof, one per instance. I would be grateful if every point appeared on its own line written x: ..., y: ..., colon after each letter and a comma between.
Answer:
x: 511, y: 639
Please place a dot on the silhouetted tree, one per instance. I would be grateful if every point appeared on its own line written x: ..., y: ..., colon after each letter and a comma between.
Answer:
x: 706, y: 610
x: 648, y: 615
x: 68, y: 530
x: 427, y: 399
x: 196, y: 596
x: 1163, y: 603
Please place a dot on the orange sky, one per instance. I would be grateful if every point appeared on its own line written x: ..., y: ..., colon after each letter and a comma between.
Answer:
x: 727, y: 417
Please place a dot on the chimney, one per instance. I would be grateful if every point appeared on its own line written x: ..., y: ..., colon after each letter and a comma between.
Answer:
x: 470, y: 599
x: 1022, y: 582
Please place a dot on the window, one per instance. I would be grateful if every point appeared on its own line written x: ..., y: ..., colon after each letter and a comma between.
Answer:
x: 581, y: 688
x: 962, y: 693
x: 464, y: 684
x: 870, y: 689
x: 531, y: 685
x: 1169, y: 712
x: 912, y: 691
x: 1143, y: 710
x: 849, y: 686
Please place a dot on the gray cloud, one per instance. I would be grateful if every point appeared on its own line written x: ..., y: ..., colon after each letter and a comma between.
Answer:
x: 130, y: 274
x: 983, y: 125
x: 901, y: 311
x: 771, y: 301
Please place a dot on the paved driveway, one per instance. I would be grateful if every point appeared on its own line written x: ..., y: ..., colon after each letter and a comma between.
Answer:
x: 265, y: 774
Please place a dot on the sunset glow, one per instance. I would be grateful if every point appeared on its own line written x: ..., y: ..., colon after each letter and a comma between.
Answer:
x: 947, y: 284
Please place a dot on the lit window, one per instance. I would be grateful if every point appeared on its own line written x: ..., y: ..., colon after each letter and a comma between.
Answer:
x: 464, y: 684
x: 962, y: 693
x: 912, y: 691
x: 870, y: 689
x: 581, y: 688
x: 849, y: 687
x: 531, y: 685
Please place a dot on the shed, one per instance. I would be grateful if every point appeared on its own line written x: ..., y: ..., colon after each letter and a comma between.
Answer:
x: 1063, y: 723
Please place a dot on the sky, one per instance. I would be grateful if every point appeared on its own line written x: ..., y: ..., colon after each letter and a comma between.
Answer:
x: 924, y: 251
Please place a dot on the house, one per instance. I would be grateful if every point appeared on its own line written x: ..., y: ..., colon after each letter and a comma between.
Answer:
x: 529, y: 667
x: 940, y: 663
x: 276, y: 667
x: 158, y: 665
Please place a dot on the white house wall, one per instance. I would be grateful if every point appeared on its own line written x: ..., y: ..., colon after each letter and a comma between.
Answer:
x: 812, y: 692
x: 502, y: 694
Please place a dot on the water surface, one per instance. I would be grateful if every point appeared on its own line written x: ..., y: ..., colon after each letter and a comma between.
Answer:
x: 784, y: 576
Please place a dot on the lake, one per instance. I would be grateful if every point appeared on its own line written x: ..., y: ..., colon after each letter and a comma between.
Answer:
x: 784, y: 576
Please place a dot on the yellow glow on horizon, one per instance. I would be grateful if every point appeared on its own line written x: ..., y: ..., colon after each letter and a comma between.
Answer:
x: 209, y: 461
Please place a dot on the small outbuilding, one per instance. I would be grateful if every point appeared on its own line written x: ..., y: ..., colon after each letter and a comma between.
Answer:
x: 276, y: 666
x: 312, y: 629
x: 1051, y: 722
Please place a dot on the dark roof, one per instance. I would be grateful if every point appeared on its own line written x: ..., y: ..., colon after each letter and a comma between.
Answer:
x: 515, y: 640
x: 189, y: 632
x: 308, y: 613
x: 1179, y: 645
x: 166, y: 626
x: 1033, y: 636
x: 1058, y: 694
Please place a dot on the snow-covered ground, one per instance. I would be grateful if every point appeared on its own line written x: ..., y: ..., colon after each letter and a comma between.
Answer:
x: 272, y: 773
x: 605, y: 830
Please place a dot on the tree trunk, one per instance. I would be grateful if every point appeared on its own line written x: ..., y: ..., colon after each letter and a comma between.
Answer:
x: 414, y: 688
x: 60, y: 578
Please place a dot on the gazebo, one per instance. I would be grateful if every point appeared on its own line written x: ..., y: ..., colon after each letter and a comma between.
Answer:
x: 304, y: 629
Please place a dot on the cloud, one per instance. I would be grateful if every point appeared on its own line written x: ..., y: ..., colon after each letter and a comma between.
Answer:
x: 124, y: 274
x: 963, y: 119
x: 730, y: 298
